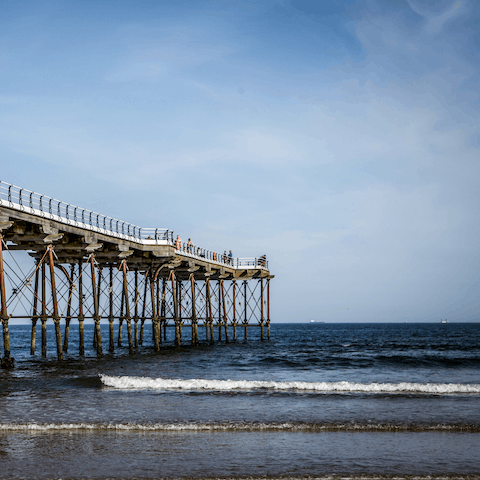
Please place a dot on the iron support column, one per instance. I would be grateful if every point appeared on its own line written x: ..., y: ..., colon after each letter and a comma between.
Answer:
x: 44, y: 310
x: 154, y: 315
x: 111, y: 318
x: 96, y: 316
x: 56, y: 318
x: 7, y: 360
x: 245, y: 321
x: 35, y: 310
x: 261, y: 310
x: 127, y: 308
x: 225, y: 320
x: 81, y: 317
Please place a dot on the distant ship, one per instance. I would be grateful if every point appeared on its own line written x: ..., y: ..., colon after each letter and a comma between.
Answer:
x: 445, y: 321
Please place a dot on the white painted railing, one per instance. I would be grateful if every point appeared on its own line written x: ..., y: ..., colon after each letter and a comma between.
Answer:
x: 34, y: 203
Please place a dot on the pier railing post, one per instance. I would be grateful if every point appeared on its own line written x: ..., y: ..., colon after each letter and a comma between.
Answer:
x: 7, y: 360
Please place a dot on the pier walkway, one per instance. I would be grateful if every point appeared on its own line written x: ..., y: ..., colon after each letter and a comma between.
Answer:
x: 91, y: 266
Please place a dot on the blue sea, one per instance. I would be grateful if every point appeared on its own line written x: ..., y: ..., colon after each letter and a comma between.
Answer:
x: 315, y: 401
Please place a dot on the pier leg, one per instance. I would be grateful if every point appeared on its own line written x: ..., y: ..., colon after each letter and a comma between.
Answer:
x: 44, y: 311
x: 135, y: 315
x: 111, y: 318
x: 219, y: 312
x: 268, y: 308
x: 142, y: 324
x: 68, y: 318
x: 175, y: 311
x: 194, y: 313
x: 81, y: 318
x: 127, y: 309
x: 120, y: 320
x: 156, y: 340
x: 262, y: 320
x: 209, y: 313
x: 179, y: 306
x: 163, y: 312
x: 234, y: 311
x: 7, y: 360
x: 96, y: 316
x: 35, y: 311
x: 56, y: 318
x: 245, y: 322
x: 225, y: 319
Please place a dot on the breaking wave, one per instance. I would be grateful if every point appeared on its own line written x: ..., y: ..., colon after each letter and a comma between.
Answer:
x: 142, y: 383
x: 233, y: 427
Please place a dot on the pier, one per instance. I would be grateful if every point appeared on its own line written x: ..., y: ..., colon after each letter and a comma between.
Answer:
x: 88, y: 266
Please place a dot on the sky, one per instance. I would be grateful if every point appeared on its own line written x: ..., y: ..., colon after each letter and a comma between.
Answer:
x: 339, y: 138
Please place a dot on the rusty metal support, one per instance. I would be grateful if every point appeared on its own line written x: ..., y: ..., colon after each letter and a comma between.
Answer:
x: 219, y: 321
x: 135, y: 315
x: 111, y: 318
x: 163, y: 311
x: 81, y: 317
x: 225, y: 321
x: 156, y: 332
x: 268, y: 308
x: 44, y: 310
x: 144, y: 306
x: 7, y: 360
x: 35, y: 310
x: 262, y: 320
x: 245, y: 321
x: 234, y: 311
x: 175, y: 310
x: 56, y: 318
x: 120, y: 319
x: 96, y: 316
x: 194, y: 312
x: 68, y: 317
x: 127, y: 308
x: 209, y: 312
x: 179, y: 305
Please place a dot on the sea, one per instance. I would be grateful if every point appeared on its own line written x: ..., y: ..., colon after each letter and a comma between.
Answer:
x: 317, y: 400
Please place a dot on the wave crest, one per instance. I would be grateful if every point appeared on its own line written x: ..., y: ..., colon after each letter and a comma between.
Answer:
x: 143, y: 383
x: 233, y: 427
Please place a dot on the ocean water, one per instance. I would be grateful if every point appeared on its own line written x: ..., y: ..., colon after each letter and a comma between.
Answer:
x: 314, y: 401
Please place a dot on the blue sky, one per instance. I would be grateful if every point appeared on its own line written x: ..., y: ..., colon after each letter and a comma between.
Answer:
x: 339, y: 138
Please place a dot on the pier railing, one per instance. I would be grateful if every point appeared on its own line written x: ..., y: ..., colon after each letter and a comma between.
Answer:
x: 43, y: 206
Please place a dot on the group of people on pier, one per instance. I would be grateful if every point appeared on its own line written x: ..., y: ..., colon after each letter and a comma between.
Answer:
x: 189, y: 247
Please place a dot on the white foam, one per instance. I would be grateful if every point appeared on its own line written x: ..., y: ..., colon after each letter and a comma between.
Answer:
x: 227, y: 426
x: 195, y: 384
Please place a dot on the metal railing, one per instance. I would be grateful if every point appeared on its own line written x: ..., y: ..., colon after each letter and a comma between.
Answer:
x: 34, y: 203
